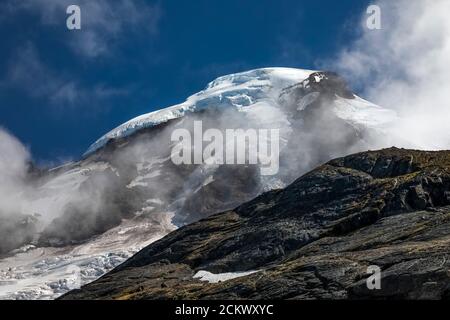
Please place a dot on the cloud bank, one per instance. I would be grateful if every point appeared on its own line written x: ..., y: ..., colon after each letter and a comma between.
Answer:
x: 406, y: 66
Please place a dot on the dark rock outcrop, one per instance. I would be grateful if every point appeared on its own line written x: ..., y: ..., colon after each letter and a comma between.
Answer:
x: 313, y: 240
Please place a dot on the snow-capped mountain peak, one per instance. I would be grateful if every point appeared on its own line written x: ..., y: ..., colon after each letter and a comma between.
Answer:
x: 126, y: 191
x: 239, y: 89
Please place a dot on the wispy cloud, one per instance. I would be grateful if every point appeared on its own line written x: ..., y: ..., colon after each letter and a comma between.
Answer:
x: 104, y: 23
x: 28, y: 73
x: 406, y: 66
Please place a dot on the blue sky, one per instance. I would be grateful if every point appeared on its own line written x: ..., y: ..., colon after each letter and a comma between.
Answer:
x: 60, y: 90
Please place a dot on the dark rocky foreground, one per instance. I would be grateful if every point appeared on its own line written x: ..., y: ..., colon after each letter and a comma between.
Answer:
x: 311, y: 240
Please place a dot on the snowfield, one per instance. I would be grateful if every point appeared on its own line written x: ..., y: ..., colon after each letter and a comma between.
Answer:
x: 241, y: 89
x: 46, y: 273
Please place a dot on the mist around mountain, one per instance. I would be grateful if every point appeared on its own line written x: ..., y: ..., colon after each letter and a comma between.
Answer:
x: 67, y: 226
x: 127, y: 192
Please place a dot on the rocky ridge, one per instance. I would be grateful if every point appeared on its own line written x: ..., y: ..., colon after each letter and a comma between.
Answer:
x: 312, y: 240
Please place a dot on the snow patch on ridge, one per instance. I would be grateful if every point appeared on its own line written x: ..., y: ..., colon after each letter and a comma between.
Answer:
x: 203, y: 275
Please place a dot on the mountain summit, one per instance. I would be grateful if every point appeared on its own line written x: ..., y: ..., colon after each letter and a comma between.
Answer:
x: 261, y: 86
x: 127, y: 192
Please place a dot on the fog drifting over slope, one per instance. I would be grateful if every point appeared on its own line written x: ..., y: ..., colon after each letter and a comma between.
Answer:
x: 14, y: 159
x: 405, y: 66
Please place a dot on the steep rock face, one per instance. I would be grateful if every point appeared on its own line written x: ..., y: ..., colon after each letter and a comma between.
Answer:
x: 312, y: 240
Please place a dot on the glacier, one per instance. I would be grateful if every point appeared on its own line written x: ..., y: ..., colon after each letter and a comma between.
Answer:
x: 240, y: 89
x: 243, y: 90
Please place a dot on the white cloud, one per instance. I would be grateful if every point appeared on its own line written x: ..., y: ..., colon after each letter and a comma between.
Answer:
x: 406, y: 66
x: 14, y: 159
